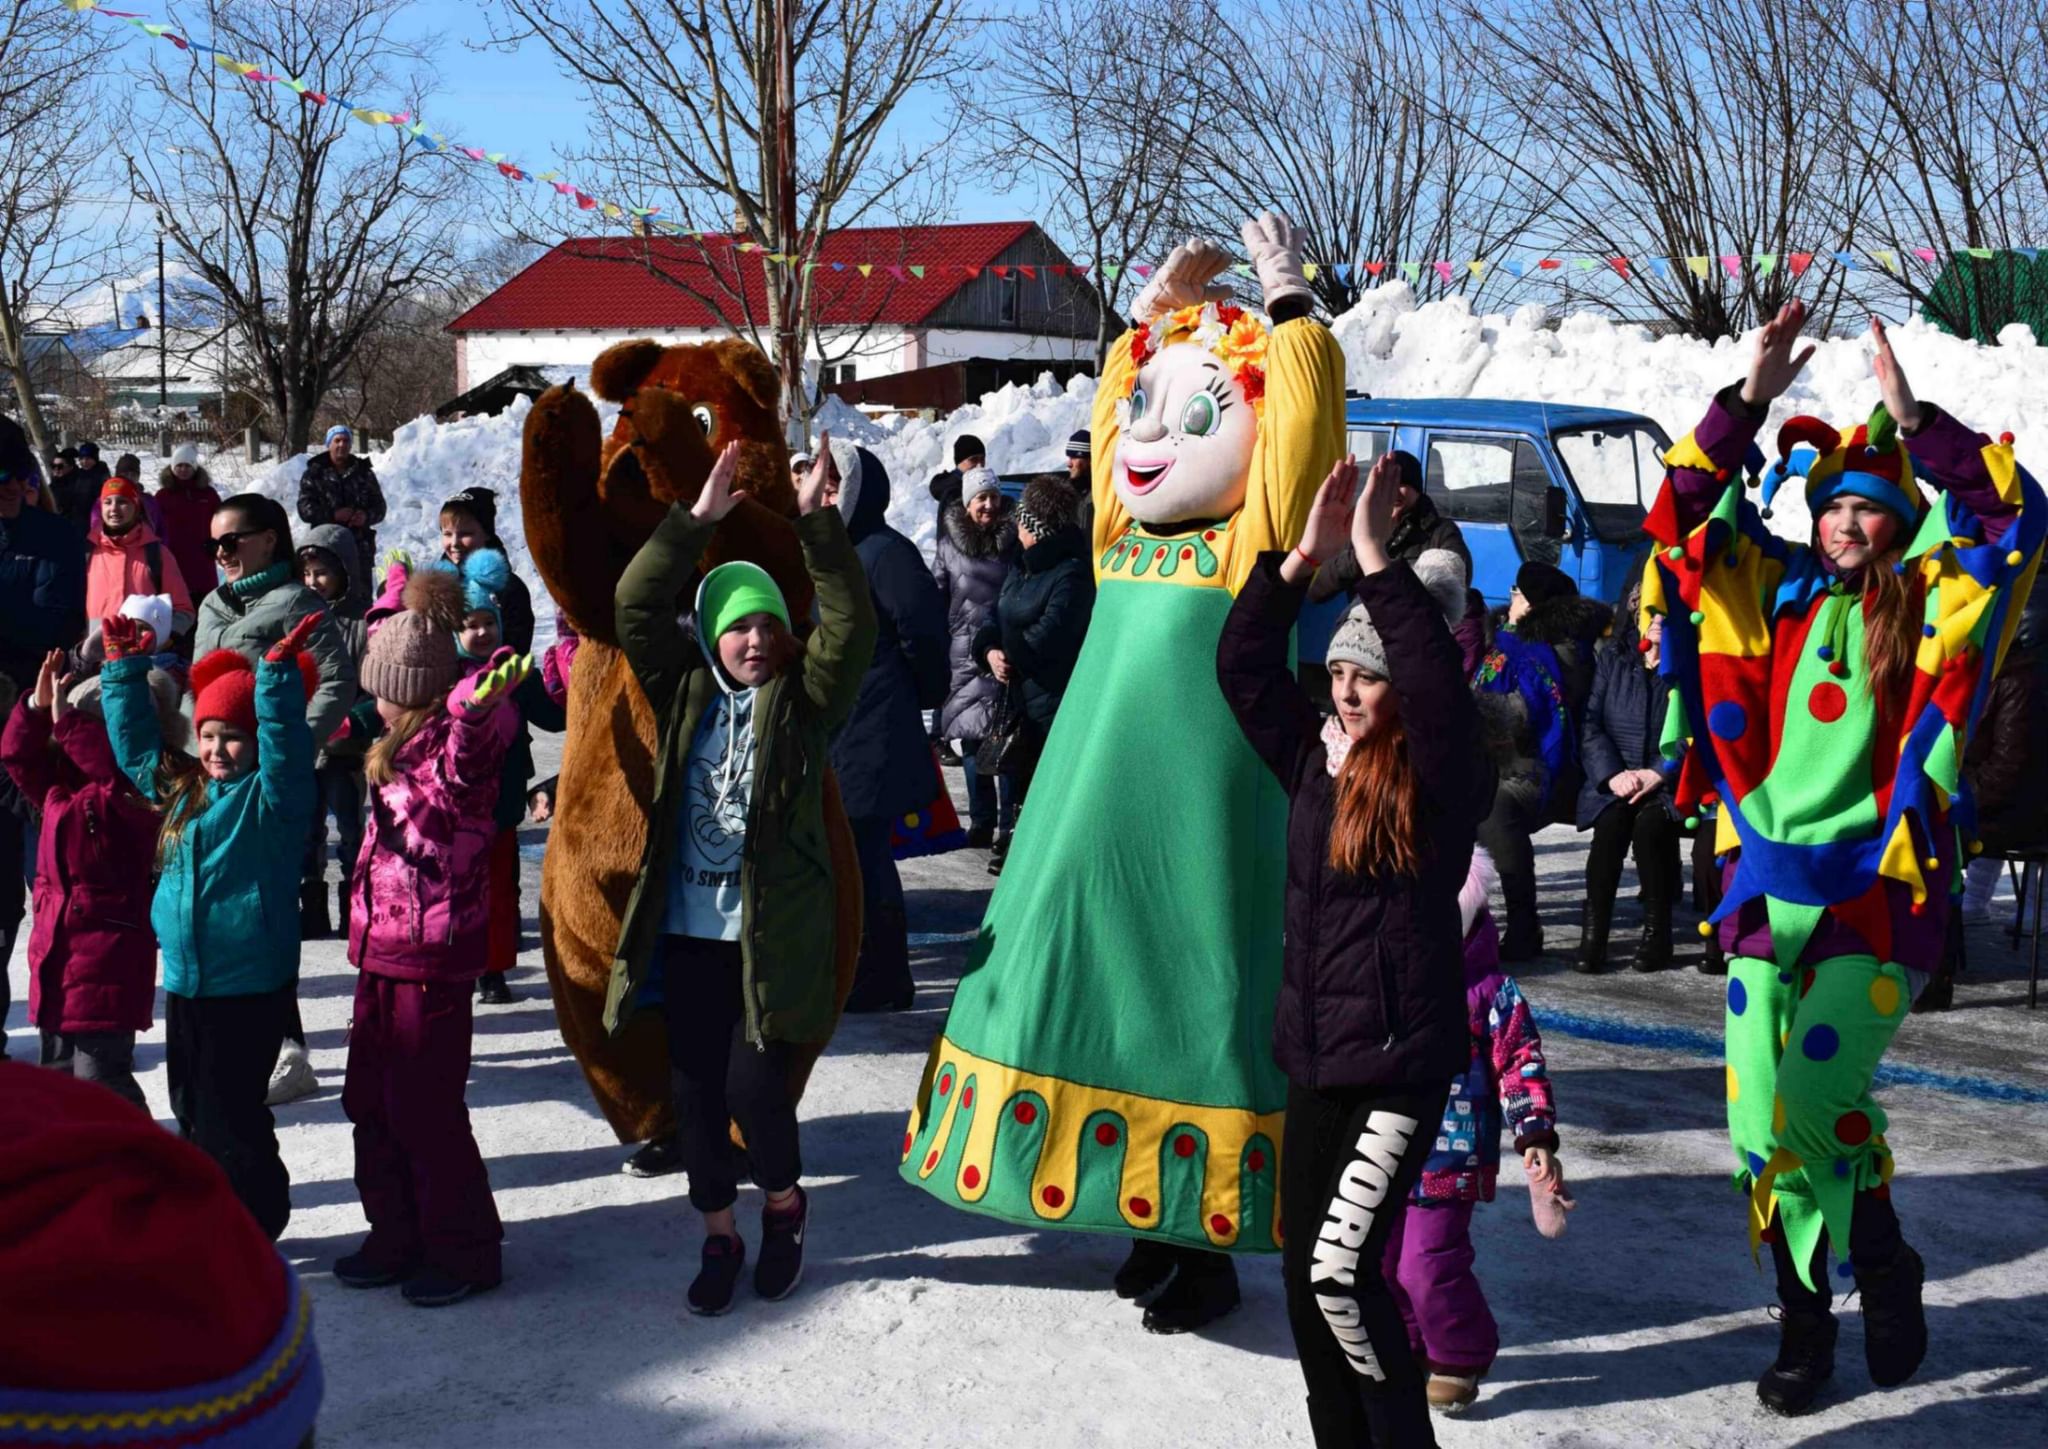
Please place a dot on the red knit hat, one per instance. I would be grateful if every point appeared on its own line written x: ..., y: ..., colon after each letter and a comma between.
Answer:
x: 119, y: 487
x: 139, y: 1301
x: 224, y: 688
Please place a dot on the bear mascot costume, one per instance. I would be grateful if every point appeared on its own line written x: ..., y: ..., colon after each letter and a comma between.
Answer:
x: 590, y: 502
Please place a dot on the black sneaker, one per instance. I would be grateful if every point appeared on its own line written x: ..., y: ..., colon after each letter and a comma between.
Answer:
x: 782, y: 1249
x: 1202, y: 1291
x: 655, y: 1159
x: 491, y: 989
x: 437, y: 1288
x: 711, y: 1292
x: 360, y: 1270
x: 1145, y: 1270
x: 998, y: 853
x: 1805, y: 1362
x: 1894, y: 1321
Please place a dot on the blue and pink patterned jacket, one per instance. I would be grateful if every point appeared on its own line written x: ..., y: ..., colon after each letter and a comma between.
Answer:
x: 1507, y: 1081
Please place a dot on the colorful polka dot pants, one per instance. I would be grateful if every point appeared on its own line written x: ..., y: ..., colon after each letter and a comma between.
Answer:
x: 1802, y: 1046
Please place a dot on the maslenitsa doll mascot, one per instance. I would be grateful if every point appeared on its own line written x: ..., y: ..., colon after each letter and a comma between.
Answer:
x: 1107, y: 1065
x: 1827, y: 692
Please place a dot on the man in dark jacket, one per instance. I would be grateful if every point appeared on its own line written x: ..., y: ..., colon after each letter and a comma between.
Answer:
x: 92, y: 472
x: 881, y: 755
x: 42, y: 607
x: 968, y: 452
x: 1033, y: 638
x: 340, y: 486
x: 76, y: 498
x: 1625, y: 800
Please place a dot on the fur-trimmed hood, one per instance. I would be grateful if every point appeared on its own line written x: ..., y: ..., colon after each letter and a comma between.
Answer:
x: 1572, y: 619
x: 974, y: 540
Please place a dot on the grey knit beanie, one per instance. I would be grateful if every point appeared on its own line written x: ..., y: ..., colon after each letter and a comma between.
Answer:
x: 1358, y: 642
x: 412, y: 660
x: 166, y: 692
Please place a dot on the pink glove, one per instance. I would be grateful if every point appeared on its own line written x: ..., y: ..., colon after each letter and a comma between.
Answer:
x: 1548, y: 1207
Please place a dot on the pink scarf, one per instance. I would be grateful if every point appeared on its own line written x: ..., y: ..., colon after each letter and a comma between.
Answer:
x: 1336, y: 745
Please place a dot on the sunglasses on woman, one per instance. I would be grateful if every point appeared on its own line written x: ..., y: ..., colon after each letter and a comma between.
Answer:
x: 225, y: 544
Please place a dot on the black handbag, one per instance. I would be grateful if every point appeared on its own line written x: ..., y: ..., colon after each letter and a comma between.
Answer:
x: 1010, y: 745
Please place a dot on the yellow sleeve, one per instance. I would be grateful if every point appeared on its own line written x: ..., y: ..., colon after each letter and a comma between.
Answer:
x: 1110, y: 518
x: 1301, y: 435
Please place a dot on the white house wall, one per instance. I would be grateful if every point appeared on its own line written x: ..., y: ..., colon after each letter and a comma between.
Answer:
x: 874, y: 352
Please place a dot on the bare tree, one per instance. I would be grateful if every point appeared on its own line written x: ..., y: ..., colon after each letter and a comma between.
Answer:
x: 1945, y: 115
x: 1106, y: 135
x: 761, y: 125
x: 52, y: 235
x: 309, y: 224
x: 1687, y: 130
x: 1359, y: 122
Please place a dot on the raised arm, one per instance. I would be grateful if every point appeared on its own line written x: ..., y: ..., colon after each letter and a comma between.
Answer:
x: 839, y: 652
x: 25, y: 751
x: 284, y: 740
x: 132, y: 728
x: 646, y: 619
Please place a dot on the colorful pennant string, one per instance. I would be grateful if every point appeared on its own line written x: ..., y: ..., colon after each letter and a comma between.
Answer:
x: 647, y: 219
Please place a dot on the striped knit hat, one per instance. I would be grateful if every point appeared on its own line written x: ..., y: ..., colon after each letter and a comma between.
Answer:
x: 206, y: 1337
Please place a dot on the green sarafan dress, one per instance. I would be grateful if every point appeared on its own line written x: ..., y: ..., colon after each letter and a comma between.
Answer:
x: 1107, y: 1065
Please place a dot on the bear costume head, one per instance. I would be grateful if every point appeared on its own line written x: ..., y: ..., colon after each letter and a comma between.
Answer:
x: 590, y: 503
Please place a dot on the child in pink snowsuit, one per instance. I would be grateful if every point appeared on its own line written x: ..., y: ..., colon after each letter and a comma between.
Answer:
x: 1428, y: 1261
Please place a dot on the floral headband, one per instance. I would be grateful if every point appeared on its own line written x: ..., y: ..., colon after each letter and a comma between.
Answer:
x: 1233, y: 334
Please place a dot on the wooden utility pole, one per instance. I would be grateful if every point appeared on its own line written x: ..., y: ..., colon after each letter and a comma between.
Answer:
x: 788, y: 278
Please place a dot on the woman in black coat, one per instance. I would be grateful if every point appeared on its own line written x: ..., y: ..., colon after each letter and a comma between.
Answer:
x: 1371, y: 1021
x: 1625, y: 799
x: 977, y: 543
x: 1033, y: 637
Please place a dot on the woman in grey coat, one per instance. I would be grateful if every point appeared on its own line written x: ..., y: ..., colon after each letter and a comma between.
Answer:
x: 977, y: 543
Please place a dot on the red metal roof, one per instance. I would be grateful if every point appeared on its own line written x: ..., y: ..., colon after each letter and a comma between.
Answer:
x: 623, y: 283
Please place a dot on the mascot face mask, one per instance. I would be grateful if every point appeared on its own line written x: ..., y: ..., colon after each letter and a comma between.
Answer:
x: 1186, y: 449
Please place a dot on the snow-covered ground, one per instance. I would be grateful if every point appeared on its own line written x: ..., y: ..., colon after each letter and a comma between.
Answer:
x: 919, y: 1325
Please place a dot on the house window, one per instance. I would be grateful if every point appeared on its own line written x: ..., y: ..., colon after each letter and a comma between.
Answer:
x: 1006, y: 305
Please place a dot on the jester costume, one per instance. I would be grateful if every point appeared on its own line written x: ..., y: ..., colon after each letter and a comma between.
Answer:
x: 1107, y: 1065
x: 1842, y: 818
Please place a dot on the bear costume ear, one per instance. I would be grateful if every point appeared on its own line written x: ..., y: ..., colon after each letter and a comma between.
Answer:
x: 622, y: 367
x: 748, y: 365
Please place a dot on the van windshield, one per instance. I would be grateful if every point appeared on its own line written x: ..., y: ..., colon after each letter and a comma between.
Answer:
x: 1618, y: 470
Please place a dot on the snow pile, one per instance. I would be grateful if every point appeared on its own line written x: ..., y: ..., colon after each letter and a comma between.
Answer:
x: 1393, y: 348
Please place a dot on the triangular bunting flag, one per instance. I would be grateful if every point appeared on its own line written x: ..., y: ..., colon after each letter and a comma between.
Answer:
x: 1800, y: 262
x: 1442, y: 269
x: 864, y: 267
x: 1847, y: 259
x: 1412, y: 271
x: 1143, y: 269
x: 917, y: 272
x: 1620, y: 265
x: 971, y: 271
x: 2028, y: 252
x: 1311, y: 270
x: 897, y: 272
x: 585, y: 203
x: 1587, y: 264
x: 1889, y: 260
x: 1344, y: 274
x: 1697, y: 266
x: 1731, y: 264
x: 1660, y: 266
x: 1515, y: 269
x: 611, y: 209
x: 1926, y: 254
x: 1982, y: 254
x: 1031, y: 272
x: 1766, y: 263
x: 1477, y: 269
x: 1549, y: 264
x: 1111, y: 270
x: 1243, y: 269
x: 1003, y: 272
x: 1372, y: 269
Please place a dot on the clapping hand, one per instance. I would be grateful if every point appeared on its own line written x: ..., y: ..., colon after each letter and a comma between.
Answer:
x: 1775, y: 365
x: 123, y: 636
x: 1329, y: 521
x: 289, y: 648
x: 717, y: 497
x: 1373, y: 522
x: 506, y: 672
x: 46, y: 680
x: 1891, y: 381
x: 810, y: 494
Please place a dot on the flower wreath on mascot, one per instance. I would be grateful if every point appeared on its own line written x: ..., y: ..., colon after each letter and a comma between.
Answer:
x: 1107, y: 1065
x: 590, y: 503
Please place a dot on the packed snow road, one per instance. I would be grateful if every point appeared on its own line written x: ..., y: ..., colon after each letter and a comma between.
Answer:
x: 915, y: 1324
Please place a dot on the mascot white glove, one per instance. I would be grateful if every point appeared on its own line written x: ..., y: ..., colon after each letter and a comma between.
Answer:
x: 1275, y: 245
x: 1184, y: 279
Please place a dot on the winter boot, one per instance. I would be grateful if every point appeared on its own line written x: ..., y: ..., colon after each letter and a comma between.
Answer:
x: 1337, y: 1421
x: 1894, y: 1322
x: 782, y: 1248
x: 292, y: 1077
x: 998, y: 853
x: 711, y: 1292
x: 1523, y: 939
x: 1594, y: 920
x: 1938, y: 995
x: 313, y: 910
x: 1653, y: 947
x: 1806, y: 1333
x: 1713, y: 960
x: 1452, y: 1393
x: 491, y: 989
x: 361, y: 1269
x: 1204, y: 1288
x: 341, y: 913
x: 439, y: 1288
x: 655, y: 1159
x: 1145, y: 1270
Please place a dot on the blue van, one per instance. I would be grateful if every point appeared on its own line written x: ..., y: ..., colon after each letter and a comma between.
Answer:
x: 1569, y: 486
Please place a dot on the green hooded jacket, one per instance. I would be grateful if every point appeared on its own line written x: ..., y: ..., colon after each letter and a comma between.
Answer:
x: 788, y: 905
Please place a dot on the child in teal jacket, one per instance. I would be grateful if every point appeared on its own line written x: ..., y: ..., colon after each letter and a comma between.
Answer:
x: 226, y: 909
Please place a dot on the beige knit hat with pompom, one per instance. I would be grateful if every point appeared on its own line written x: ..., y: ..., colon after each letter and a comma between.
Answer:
x: 411, y: 661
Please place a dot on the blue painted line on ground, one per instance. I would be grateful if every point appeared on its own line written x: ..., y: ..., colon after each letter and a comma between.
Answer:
x: 1619, y: 1032
x: 942, y: 938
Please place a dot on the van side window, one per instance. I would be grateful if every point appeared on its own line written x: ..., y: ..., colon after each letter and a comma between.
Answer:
x: 1497, y: 481
x: 1366, y: 444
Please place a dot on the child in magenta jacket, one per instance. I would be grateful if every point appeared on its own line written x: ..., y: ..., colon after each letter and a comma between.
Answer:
x: 1428, y: 1260
x: 417, y: 924
x: 91, y: 952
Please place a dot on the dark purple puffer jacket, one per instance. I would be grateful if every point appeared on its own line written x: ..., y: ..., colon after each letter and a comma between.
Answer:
x: 1373, y: 980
